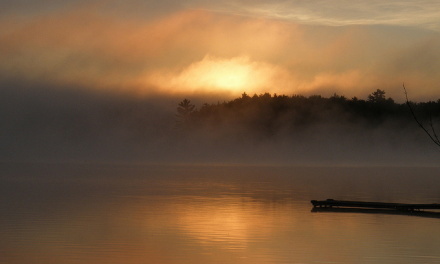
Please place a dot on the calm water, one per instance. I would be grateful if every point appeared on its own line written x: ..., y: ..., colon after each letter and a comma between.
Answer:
x: 211, y: 214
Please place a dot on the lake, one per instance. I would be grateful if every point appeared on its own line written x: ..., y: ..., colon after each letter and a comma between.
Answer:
x: 89, y: 213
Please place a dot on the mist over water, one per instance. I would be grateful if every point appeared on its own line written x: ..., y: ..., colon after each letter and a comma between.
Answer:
x: 80, y: 125
x: 90, y: 177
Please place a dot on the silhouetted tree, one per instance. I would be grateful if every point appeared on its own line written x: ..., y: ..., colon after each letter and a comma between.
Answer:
x: 377, y: 97
x: 432, y: 134
x: 184, y: 111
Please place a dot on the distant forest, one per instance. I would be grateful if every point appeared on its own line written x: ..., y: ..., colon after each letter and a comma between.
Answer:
x: 269, y: 114
x: 66, y: 124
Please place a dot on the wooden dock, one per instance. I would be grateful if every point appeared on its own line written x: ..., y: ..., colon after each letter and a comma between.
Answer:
x: 330, y: 203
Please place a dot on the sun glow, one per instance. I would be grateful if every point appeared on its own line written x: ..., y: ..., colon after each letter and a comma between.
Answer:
x: 217, y: 73
x: 231, y: 75
x: 235, y: 75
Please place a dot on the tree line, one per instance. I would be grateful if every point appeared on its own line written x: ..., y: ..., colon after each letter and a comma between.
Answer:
x: 268, y: 114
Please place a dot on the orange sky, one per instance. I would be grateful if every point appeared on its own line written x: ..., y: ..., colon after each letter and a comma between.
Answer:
x: 230, y: 48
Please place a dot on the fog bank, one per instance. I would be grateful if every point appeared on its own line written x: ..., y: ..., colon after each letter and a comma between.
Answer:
x: 77, y: 125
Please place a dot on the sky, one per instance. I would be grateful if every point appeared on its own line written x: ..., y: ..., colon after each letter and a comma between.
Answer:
x: 181, y: 48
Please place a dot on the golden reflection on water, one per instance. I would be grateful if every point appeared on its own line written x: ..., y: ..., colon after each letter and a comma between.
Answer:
x: 230, y: 221
x: 199, y: 221
x: 216, y: 229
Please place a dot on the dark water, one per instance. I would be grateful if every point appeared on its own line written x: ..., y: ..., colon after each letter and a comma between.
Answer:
x: 211, y: 214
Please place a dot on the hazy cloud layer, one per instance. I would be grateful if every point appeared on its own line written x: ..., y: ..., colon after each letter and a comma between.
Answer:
x: 424, y: 14
x: 348, y: 47
x: 421, y: 13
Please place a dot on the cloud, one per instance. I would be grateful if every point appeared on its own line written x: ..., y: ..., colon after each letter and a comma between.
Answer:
x: 341, y: 12
x: 177, y: 52
x: 422, y: 13
x: 84, y: 47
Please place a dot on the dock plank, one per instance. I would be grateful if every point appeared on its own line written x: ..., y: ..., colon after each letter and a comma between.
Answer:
x: 329, y: 203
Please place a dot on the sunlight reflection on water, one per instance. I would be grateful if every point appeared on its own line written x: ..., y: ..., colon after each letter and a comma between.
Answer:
x: 65, y: 214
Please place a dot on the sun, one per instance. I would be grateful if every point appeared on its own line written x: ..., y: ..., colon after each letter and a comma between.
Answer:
x: 233, y: 75
x: 237, y: 74
x: 221, y: 74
